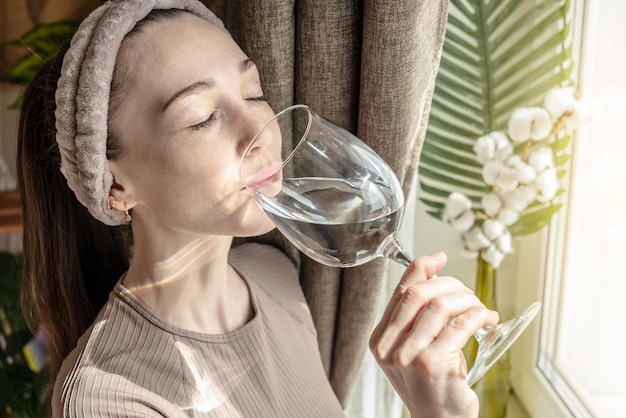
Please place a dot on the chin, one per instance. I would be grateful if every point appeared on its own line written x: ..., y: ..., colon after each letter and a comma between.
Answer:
x: 257, y: 224
x: 264, y: 228
x: 259, y: 232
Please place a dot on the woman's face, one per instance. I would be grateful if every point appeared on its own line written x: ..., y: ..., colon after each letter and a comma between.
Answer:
x: 192, y: 103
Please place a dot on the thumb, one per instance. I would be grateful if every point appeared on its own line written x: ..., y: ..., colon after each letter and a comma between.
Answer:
x: 435, y: 263
x: 422, y: 268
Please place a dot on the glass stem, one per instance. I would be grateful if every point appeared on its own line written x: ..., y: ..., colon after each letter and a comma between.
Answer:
x: 392, y: 249
x: 481, y: 334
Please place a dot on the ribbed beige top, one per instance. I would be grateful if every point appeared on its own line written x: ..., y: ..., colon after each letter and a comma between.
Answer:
x: 130, y: 363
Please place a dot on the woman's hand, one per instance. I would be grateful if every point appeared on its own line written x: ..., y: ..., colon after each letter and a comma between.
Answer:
x: 419, y: 339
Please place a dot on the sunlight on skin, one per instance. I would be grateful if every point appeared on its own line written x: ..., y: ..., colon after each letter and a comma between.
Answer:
x: 178, y: 265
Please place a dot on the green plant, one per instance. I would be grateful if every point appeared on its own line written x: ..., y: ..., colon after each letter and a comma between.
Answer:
x: 497, y: 56
x: 42, y: 41
x: 23, y: 384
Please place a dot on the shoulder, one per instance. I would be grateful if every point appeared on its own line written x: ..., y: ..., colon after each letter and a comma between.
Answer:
x: 97, y: 393
x: 112, y: 368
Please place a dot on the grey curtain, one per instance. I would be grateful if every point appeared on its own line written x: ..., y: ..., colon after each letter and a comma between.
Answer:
x: 370, y: 66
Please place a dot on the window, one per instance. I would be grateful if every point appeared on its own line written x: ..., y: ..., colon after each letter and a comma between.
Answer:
x: 570, y: 363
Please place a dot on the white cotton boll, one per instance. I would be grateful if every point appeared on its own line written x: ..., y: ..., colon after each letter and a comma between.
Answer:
x: 507, y: 179
x: 508, y: 216
x: 463, y: 222
x: 456, y: 204
x: 495, y: 145
x: 517, y: 199
x: 493, y: 256
x: 541, y: 159
x: 475, y: 240
x: 560, y: 100
x: 515, y: 161
x: 485, y: 148
x: 504, y: 148
x: 520, y: 124
x: 505, y: 244
x: 458, y: 212
x: 491, y: 204
x: 541, y: 125
x: 547, y: 185
x: 527, y: 194
x: 459, y: 247
x: 491, y: 171
x: 525, y: 174
x: 581, y: 114
x: 503, y: 153
x: 529, y: 123
x: 493, y: 229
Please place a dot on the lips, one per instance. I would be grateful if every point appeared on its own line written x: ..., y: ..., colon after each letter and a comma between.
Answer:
x: 264, y: 177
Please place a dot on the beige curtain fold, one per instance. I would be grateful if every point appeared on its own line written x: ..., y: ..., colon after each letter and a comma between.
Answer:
x: 370, y: 66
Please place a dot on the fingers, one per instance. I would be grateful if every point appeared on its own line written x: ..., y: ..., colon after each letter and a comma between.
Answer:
x: 420, y: 309
x: 430, y: 296
x: 421, y: 269
x: 462, y: 327
x: 414, y: 326
x: 435, y: 317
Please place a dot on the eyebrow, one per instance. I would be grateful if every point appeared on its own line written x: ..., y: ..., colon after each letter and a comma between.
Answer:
x: 192, y: 88
x: 246, y: 65
x: 209, y: 83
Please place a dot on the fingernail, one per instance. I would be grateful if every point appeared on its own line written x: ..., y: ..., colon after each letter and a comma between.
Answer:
x: 438, y: 256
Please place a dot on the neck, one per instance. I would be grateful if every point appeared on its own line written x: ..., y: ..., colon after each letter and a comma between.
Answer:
x: 190, y: 285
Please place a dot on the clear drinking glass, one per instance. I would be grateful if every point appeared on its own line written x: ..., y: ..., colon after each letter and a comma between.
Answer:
x: 340, y: 204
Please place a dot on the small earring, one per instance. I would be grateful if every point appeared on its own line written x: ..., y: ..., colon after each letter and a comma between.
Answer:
x: 127, y: 215
x: 110, y: 202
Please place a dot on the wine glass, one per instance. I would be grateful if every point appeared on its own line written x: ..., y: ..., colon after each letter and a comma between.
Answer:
x: 340, y: 203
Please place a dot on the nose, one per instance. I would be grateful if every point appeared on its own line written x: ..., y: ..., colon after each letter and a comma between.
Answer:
x: 257, y: 133
x: 260, y: 144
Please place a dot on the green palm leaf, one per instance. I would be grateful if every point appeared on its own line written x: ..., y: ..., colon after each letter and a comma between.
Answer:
x: 498, y: 55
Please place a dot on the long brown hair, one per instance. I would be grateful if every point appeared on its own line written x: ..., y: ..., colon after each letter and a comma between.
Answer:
x: 71, y: 260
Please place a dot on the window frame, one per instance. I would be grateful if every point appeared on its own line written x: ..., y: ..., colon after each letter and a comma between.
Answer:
x: 541, y: 264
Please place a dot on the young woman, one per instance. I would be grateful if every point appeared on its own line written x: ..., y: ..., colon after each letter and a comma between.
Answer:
x: 144, y: 125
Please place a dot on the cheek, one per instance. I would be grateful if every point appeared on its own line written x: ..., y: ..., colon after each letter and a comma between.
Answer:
x: 184, y: 162
x: 207, y: 179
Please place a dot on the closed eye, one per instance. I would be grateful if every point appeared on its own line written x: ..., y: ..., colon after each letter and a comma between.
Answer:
x: 260, y: 98
x: 205, y: 123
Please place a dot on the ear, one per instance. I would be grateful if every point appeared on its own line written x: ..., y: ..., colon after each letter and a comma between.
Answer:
x: 121, y: 190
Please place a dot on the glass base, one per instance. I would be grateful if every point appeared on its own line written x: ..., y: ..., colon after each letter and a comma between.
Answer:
x: 494, y: 341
